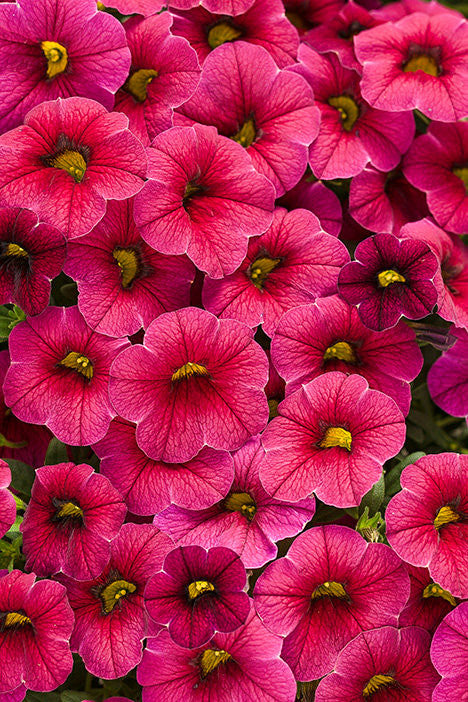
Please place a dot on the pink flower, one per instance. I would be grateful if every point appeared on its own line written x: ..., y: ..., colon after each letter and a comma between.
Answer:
x: 419, y: 62
x: 199, y: 379
x: 331, y: 586
x: 221, y: 7
x: 148, y: 486
x: 320, y: 200
x: 139, y: 7
x: 427, y: 521
x: 447, y: 379
x: 305, y: 14
x: 271, y: 113
x: 428, y: 603
x: 291, y: 264
x: 7, y: 501
x: 331, y: 437
x: 123, y: 283
x: 247, y: 520
x: 197, y: 593
x: 68, y: 158
x: 59, y: 375
x: 329, y: 336
x: 352, y: 133
x: 35, y: 624
x: 449, y: 653
x: 31, y: 254
x: 204, y: 199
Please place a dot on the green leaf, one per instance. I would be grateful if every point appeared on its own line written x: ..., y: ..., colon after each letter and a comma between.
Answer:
x: 56, y: 453
x: 9, y: 318
x: 73, y: 696
x: 42, y: 696
x: 374, y: 498
x: 22, y: 477
x: 392, y: 478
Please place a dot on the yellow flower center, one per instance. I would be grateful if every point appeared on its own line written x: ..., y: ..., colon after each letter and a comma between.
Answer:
x: 297, y: 20
x: 330, y: 589
x: 72, y: 162
x: 246, y: 134
x: 462, y: 173
x: 57, y: 57
x: 100, y: 6
x: 424, y: 63
x: 376, y: 683
x: 199, y: 587
x: 188, y: 370
x: 446, y: 515
x: 127, y: 261
x: 241, y: 502
x: 138, y: 82
x: 114, y: 592
x: 273, y: 407
x: 341, y: 351
x: 261, y: 268
x: 221, y: 33
x: 433, y: 590
x: 69, y: 509
x: 211, y: 659
x: 79, y: 363
x: 15, y: 619
x: 386, y: 278
x: 348, y: 109
x: 15, y: 250
x: 337, y: 436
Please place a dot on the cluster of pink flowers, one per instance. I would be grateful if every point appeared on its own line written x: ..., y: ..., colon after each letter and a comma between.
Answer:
x: 220, y: 222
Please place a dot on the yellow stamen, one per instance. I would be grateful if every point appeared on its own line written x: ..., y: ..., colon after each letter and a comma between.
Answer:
x: 446, y: 515
x: 69, y: 509
x: 341, y: 351
x: 241, y: 502
x: 261, y: 268
x: 329, y: 589
x: 199, y: 587
x: 15, y: 250
x: 138, y: 82
x: 114, y: 592
x: 462, y: 173
x: 188, y: 370
x: 57, y: 57
x: 211, y: 659
x: 79, y: 363
x: 423, y: 63
x: 376, y: 683
x: 100, y: 6
x: 348, y: 109
x: 297, y: 20
x: 273, y: 407
x: 386, y: 278
x: 221, y: 33
x: 72, y: 162
x: 246, y: 134
x: 16, y: 619
x: 433, y: 590
x: 127, y: 260
x: 337, y: 436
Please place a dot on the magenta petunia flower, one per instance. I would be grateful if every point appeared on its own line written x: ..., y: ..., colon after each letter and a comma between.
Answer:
x: 352, y: 133
x: 329, y: 336
x: 31, y: 254
x: 291, y: 264
x: 197, y: 593
x: 449, y: 653
x: 204, y: 199
x: 447, y: 379
x: 271, y: 113
x: 385, y: 664
x: 221, y: 7
x: 7, y: 501
x: 19, y: 693
x: 390, y: 278
x: 164, y: 73
x: 139, y: 7
x: 72, y: 516
x: 199, y: 379
x: 51, y: 49
x: 320, y: 200
x: 148, y: 486
x: 264, y: 24
x: 419, y: 62
x: 428, y: 603
x: 274, y: 389
x: 123, y: 283
x: 244, y: 665
x: 68, y: 158
x: 110, y: 619
x: 436, y: 164
x: 427, y: 522
x: 396, y: 10
x: 331, y: 437
x: 331, y: 586
x: 247, y: 520
x: 306, y: 14
x: 35, y: 624
x: 59, y: 375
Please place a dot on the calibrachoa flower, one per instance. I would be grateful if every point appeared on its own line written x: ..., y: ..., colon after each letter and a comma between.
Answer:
x: 436, y: 164
x: 139, y: 7
x: 316, y: 197
x: 385, y: 664
x: 419, y: 62
x: 428, y: 603
x: 447, y: 379
x: 72, y: 516
x: 242, y: 666
x: 31, y: 254
x: 263, y: 24
x: 329, y: 336
x: 148, y: 486
x: 427, y: 521
x: 271, y: 113
x: 198, y: 379
x: 390, y: 278
x: 331, y: 586
x: 331, y: 437
x: 35, y: 624
x: 291, y: 264
x: 123, y: 283
x: 229, y: 7
x: 305, y: 14
x: 51, y: 49
x: 68, y: 158
x: 396, y: 10
x: 16, y: 695
x: 352, y: 133
x: 197, y: 593
x: 110, y: 619
x: 7, y: 501
x: 59, y: 375
x: 164, y: 73
x: 247, y: 520
x: 274, y: 389
x: 203, y: 198
x: 449, y: 653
